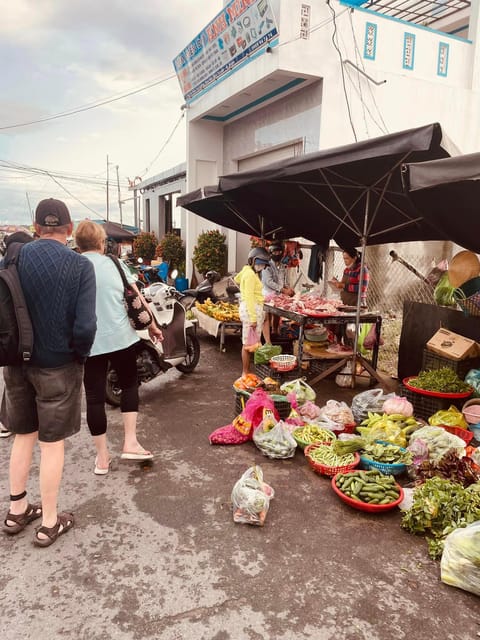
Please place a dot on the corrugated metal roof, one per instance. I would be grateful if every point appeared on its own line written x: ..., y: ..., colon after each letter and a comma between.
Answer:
x: 424, y: 12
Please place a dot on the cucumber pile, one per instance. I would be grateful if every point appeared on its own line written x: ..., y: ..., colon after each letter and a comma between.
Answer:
x: 371, y: 487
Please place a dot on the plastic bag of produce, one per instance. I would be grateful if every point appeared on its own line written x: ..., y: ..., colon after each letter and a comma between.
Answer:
x: 251, y: 497
x: 309, y: 410
x: 253, y: 340
x: 371, y: 400
x: 452, y: 417
x: 264, y: 353
x: 438, y: 441
x: 460, y: 564
x: 338, y: 412
x: 473, y: 379
x: 277, y: 442
x: 443, y: 293
x: 301, y: 389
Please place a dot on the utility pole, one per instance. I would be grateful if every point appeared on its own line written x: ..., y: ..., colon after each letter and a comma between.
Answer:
x: 29, y: 207
x: 108, y: 202
x: 119, y: 198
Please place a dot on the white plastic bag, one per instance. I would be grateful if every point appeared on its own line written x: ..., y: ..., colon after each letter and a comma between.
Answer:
x: 277, y: 442
x: 460, y: 564
x: 301, y: 389
x: 338, y: 412
x: 251, y: 497
x: 344, y: 378
x: 371, y: 400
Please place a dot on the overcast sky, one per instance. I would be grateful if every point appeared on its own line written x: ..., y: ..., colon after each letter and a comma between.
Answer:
x: 60, y: 55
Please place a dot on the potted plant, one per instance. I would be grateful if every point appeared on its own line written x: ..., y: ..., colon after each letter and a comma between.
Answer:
x: 210, y: 252
x: 144, y: 246
x: 172, y: 250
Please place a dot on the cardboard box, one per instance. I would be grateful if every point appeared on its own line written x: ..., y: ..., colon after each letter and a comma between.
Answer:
x: 451, y: 345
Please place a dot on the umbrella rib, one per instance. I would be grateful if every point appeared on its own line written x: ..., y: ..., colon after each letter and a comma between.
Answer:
x: 257, y: 231
x: 341, y: 220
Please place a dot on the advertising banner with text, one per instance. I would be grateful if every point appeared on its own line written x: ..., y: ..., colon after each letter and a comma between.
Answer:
x: 240, y: 29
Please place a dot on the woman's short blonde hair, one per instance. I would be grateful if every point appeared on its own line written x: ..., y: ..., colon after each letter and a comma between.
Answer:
x: 90, y: 236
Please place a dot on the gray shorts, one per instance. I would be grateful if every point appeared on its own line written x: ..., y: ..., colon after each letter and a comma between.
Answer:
x: 44, y: 400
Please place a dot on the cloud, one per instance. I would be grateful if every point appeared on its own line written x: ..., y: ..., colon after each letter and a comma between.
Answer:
x: 63, y: 55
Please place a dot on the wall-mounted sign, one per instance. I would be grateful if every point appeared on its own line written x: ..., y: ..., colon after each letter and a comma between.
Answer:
x: 408, y: 51
x: 442, y: 63
x: 305, y: 21
x: 240, y: 29
x: 370, y: 48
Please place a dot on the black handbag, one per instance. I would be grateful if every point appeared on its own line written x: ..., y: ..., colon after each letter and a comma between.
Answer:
x: 139, y: 314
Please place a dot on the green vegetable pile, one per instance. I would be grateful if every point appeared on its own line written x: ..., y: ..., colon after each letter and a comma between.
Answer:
x: 443, y: 380
x: 368, y: 486
x: 439, y: 507
x: 323, y: 454
x: 387, y: 453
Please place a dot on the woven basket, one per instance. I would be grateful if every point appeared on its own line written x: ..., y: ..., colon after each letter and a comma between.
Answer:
x: 325, y: 470
x: 283, y: 362
x: 388, y: 469
x: 282, y: 405
x: 464, y: 434
x: 469, y: 305
x: 303, y: 443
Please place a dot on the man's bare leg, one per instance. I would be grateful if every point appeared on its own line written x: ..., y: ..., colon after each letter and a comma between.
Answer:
x: 20, y: 461
x: 51, y: 469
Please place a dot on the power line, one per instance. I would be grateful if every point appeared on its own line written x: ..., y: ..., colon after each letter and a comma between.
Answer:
x: 335, y: 44
x: 164, y: 145
x: 90, y: 106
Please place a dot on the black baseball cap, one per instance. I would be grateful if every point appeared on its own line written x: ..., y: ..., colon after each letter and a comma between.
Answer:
x: 52, y: 213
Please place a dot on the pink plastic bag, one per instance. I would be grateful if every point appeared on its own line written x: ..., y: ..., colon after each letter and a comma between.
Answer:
x: 241, y: 429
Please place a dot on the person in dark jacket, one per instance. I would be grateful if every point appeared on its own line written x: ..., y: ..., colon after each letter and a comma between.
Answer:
x: 23, y: 238
x: 43, y: 396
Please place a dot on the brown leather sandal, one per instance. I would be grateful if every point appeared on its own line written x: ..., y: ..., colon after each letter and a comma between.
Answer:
x: 32, y: 512
x: 65, y: 522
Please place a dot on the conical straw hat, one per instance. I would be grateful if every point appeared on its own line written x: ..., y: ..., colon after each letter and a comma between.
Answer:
x: 462, y: 267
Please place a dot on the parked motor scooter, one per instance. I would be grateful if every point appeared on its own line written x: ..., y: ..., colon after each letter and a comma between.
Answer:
x: 205, y: 290
x: 180, y: 347
x: 150, y: 274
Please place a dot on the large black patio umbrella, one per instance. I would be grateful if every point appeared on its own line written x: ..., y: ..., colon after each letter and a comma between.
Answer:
x: 351, y: 194
x: 210, y: 203
x: 447, y: 192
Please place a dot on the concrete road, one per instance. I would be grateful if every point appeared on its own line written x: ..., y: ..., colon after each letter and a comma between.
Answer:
x: 155, y: 553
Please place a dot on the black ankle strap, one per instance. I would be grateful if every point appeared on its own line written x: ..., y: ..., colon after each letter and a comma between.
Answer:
x: 20, y: 496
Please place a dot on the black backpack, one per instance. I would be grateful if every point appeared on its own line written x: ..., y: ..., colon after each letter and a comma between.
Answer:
x: 16, y: 332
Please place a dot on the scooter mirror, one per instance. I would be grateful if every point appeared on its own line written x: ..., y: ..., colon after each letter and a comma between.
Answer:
x: 174, y: 274
x: 140, y: 260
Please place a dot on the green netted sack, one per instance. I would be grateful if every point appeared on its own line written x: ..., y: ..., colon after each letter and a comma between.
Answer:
x: 264, y: 353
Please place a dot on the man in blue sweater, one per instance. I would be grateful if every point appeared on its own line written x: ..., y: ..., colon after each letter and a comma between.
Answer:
x: 43, y: 396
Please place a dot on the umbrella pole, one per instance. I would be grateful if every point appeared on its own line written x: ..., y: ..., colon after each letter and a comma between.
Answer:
x: 357, y: 357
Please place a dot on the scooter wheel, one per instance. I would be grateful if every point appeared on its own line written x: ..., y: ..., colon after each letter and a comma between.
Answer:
x: 113, y: 392
x: 193, y: 353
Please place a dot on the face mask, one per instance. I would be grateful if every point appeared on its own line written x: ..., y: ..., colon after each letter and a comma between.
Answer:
x: 276, y: 257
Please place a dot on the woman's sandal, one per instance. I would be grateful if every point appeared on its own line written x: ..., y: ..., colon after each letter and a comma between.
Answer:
x: 32, y: 512
x: 64, y: 523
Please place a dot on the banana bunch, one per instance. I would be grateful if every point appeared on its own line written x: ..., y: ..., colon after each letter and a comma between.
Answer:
x: 394, y: 427
x: 223, y: 311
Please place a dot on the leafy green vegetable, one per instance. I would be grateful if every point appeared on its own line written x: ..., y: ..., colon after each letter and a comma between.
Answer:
x: 439, y: 507
x: 443, y: 380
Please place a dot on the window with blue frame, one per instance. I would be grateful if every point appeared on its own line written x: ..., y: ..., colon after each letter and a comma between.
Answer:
x: 370, y: 47
x: 442, y: 62
x: 408, y: 51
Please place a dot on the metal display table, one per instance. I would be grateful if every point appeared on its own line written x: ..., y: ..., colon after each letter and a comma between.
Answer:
x: 340, y: 318
x: 215, y: 327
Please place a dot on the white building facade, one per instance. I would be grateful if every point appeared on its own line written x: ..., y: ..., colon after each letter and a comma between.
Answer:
x: 300, y: 76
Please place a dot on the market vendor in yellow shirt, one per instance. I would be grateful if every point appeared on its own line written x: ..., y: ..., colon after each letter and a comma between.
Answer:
x: 251, y: 310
